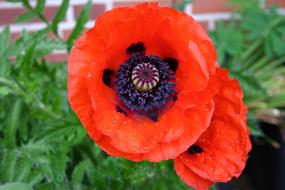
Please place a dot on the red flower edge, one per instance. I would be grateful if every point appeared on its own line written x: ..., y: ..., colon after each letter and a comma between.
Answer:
x: 225, y: 144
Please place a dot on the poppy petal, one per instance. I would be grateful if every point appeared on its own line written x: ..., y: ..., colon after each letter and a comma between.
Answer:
x: 190, y: 177
x: 80, y: 101
x: 199, y: 97
x: 188, y: 42
x: 225, y: 146
x: 229, y: 97
x: 226, y: 142
x: 200, y: 118
x: 169, y: 149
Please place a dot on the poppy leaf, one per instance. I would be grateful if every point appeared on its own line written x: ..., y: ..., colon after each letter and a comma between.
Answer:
x: 40, y: 6
x: 60, y: 15
x: 80, y: 23
x: 10, y: 129
x: 79, y: 171
x: 25, y: 17
x: 16, y: 186
x: 4, y: 39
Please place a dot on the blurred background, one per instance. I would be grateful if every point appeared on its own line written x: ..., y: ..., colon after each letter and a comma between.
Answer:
x: 43, y: 145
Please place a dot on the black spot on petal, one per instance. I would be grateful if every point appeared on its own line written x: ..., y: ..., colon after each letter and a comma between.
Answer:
x: 153, y: 116
x: 107, y: 75
x: 120, y: 110
x: 136, y: 48
x: 194, y: 149
x: 174, y: 98
x: 172, y: 63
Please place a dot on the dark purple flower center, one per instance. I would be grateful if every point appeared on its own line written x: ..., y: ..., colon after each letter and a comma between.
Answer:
x: 144, y: 83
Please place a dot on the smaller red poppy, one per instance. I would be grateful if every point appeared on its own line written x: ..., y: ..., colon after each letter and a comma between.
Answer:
x: 222, y: 150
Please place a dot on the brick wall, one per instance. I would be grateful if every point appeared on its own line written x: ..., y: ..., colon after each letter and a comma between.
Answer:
x: 207, y: 12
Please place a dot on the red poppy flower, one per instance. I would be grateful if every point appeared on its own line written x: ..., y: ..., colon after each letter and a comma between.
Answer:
x: 142, y: 82
x: 221, y: 151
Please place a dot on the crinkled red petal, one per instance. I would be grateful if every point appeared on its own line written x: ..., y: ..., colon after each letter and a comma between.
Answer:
x: 169, y: 149
x: 226, y: 142
x: 190, y: 177
x: 225, y: 147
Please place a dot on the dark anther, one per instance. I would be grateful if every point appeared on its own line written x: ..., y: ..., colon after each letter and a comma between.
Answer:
x: 120, y: 110
x: 136, y: 48
x: 153, y: 115
x: 194, y: 149
x: 172, y: 63
x: 107, y: 74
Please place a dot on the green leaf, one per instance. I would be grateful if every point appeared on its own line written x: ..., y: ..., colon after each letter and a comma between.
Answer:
x: 4, y: 91
x: 12, y: 120
x: 10, y: 162
x: 5, y: 67
x: 253, y: 125
x: 4, y: 39
x: 24, y: 168
x: 245, y: 4
x: 271, y: 66
x: 58, y: 164
x: 27, y: 4
x: 27, y: 61
x: 278, y: 44
x: 80, y: 23
x: 60, y: 15
x: 47, y: 46
x: 35, y: 148
x: 230, y: 39
x: 16, y: 186
x: 25, y: 17
x: 78, y: 173
x: 277, y: 101
x: 259, y: 64
x: 36, y: 176
x: 255, y: 22
x: 40, y: 6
